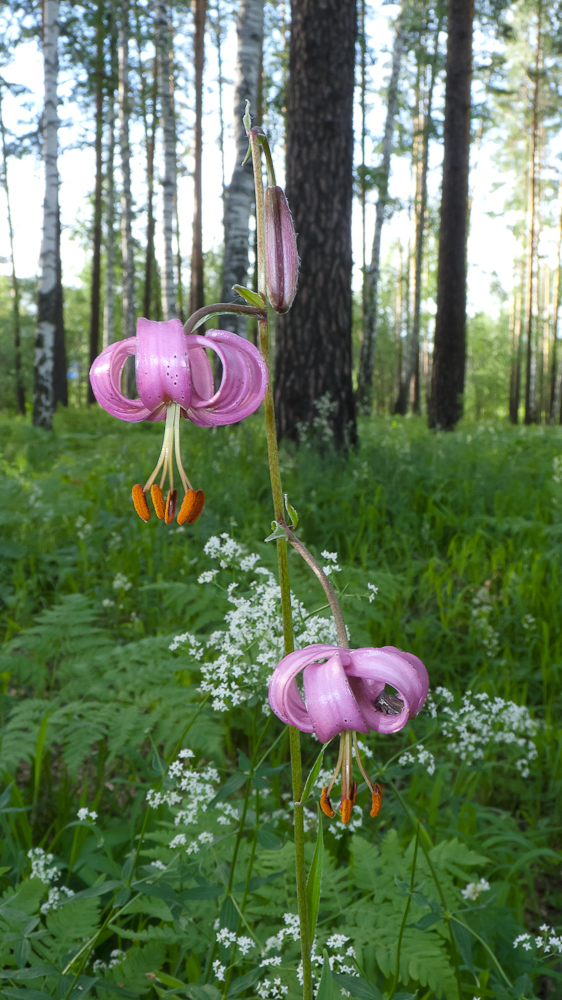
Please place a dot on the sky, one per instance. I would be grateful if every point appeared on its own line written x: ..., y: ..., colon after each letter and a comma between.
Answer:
x: 491, y: 247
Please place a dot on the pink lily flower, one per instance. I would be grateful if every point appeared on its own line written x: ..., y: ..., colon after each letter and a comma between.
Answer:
x: 175, y: 379
x: 344, y: 692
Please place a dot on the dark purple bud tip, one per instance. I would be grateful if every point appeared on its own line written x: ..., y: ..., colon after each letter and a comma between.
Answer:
x: 281, y: 257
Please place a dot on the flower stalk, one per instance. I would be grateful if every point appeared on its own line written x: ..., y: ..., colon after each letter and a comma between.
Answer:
x: 277, y: 496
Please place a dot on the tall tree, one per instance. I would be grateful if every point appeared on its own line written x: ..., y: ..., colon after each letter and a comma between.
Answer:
x: 449, y: 350
x: 109, y: 296
x: 366, y: 360
x: 530, y: 356
x: 18, y: 378
x: 197, y: 298
x: 127, y: 247
x: 162, y: 39
x: 239, y: 195
x: 313, y: 351
x: 50, y: 331
x: 95, y: 290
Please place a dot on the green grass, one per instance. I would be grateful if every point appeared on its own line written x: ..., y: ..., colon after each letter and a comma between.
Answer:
x: 462, y: 535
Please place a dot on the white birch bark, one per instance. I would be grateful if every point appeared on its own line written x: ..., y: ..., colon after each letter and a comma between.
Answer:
x: 127, y: 252
x: 240, y: 192
x: 44, y: 363
x: 168, y: 181
x: 365, y: 378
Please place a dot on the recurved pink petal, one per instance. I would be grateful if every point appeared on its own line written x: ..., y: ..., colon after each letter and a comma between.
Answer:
x: 243, y: 383
x: 421, y: 671
x: 284, y: 695
x: 384, y: 666
x: 329, y: 699
x: 105, y: 378
x: 162, y: 364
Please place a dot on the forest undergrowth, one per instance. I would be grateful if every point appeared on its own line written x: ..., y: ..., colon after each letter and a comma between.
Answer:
x: 146, y: 811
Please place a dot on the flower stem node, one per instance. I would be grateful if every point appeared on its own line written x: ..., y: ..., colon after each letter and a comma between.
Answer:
x: 344, y: 692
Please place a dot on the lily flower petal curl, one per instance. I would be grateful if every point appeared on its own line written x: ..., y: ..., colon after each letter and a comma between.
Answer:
x: 344, y: 692
x: 175, y: 379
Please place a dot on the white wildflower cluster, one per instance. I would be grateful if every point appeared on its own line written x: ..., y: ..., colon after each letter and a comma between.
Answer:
x: 83, y: 528
x: 115, y: 957
x: 190, y: 644
x: 272, y: 989
x: 557, y: 469
x: 473, y: 890
x: 245, y: 652
x: 43, y: 869
x: 482, y: 727
x: 107, y: 603
x: 373, y: 591
x: 319, y: 428
x: 86, y: 815
x: 40, y: 865
x: 121, y: 582
x: 192, y: 845
x: 169, y: 797
x: 332, y: 563
x: 219, y: 970
x: 420, y: 757
x: 547, y: 943
x: 207, y: 576
x: 57, y: 894
x: 339, y: 953
x: 528, y: 623
x: 481, y: 612
x: 228, y: 938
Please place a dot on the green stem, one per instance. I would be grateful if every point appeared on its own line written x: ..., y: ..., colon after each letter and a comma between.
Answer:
x: 277, y: 496
x: 220, y: 309
x: 405, y: 916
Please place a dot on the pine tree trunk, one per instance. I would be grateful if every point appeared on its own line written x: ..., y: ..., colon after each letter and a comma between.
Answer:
x: 95, y: 290
x: 313, y: 349
x: 555, y: 375
x: 18, y: 379
x: 168, y: 181
x: 239, y: 195
x: 449, y: 352
x: 197, y: 297
x: 410, y: 367
x: 515, y: 372
x: 109, y: 296
x: 366, y: 360
x: 49, y: 305
x: 127, y: 248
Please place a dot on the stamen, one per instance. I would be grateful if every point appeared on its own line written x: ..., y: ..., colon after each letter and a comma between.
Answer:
x: 185, y: 481
x: 368, y: 781
x: 171, y: 501
x: 193, y: 503
x: 325, y: 804
x: 377, y: 800
x: 140, y: 503
x: 158, y: 500
x: 346, y: 807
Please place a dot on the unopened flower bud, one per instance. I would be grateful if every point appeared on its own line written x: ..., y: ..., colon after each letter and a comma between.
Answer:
x: 281, y: 257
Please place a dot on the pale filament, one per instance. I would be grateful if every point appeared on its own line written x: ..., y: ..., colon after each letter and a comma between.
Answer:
x: 170, y: 444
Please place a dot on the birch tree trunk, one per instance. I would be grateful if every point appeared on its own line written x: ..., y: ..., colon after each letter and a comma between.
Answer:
x: 18, y: 379
x: 366, y: 359
x: 109, y: 296
x: 95, y: 291
x: 127, y: 250
x: 555, y: 375
x: 168, y: 181
x: 449, y: 352
x: 530, y: 358
x: 240, y: 192
x: 197, y: 298
x: 49, y: 305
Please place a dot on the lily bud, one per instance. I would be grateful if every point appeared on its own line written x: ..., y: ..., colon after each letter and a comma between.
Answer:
x: 281, y: 257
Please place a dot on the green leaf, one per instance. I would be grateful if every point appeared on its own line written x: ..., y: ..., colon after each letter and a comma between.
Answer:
x: 257, y: 881
x: 230, y: 786
x: 39, y: 747
x: 269, y: 840
x: 250, y: 979
x: 313, y: 775
x: 277, y: 532
x: 254, y: 298
x: 326, y: 989
x: 358, y: 987
x: 314, y: 880
x: 5, y: 800
x: 203, y: 892
x: 463, y: 942
x: 128, y: 867
x: 33, y: 972
x: 203, y: 992
x: 163, y: 977
x: 94, y: 890
x: 26, y: 994
x: 428, y: 920
x: 291, y: 512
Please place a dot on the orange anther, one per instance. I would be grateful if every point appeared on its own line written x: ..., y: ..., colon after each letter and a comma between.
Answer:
x: 325, y: 804
x: 140, y: 503
x: 193, y: 503
x: 157, y: 500
x: 346, y: 807
x: 377, y: 800
x: 171, y: 500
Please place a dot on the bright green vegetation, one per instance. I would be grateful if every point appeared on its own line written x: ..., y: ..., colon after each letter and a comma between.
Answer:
x: 462, y: 535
